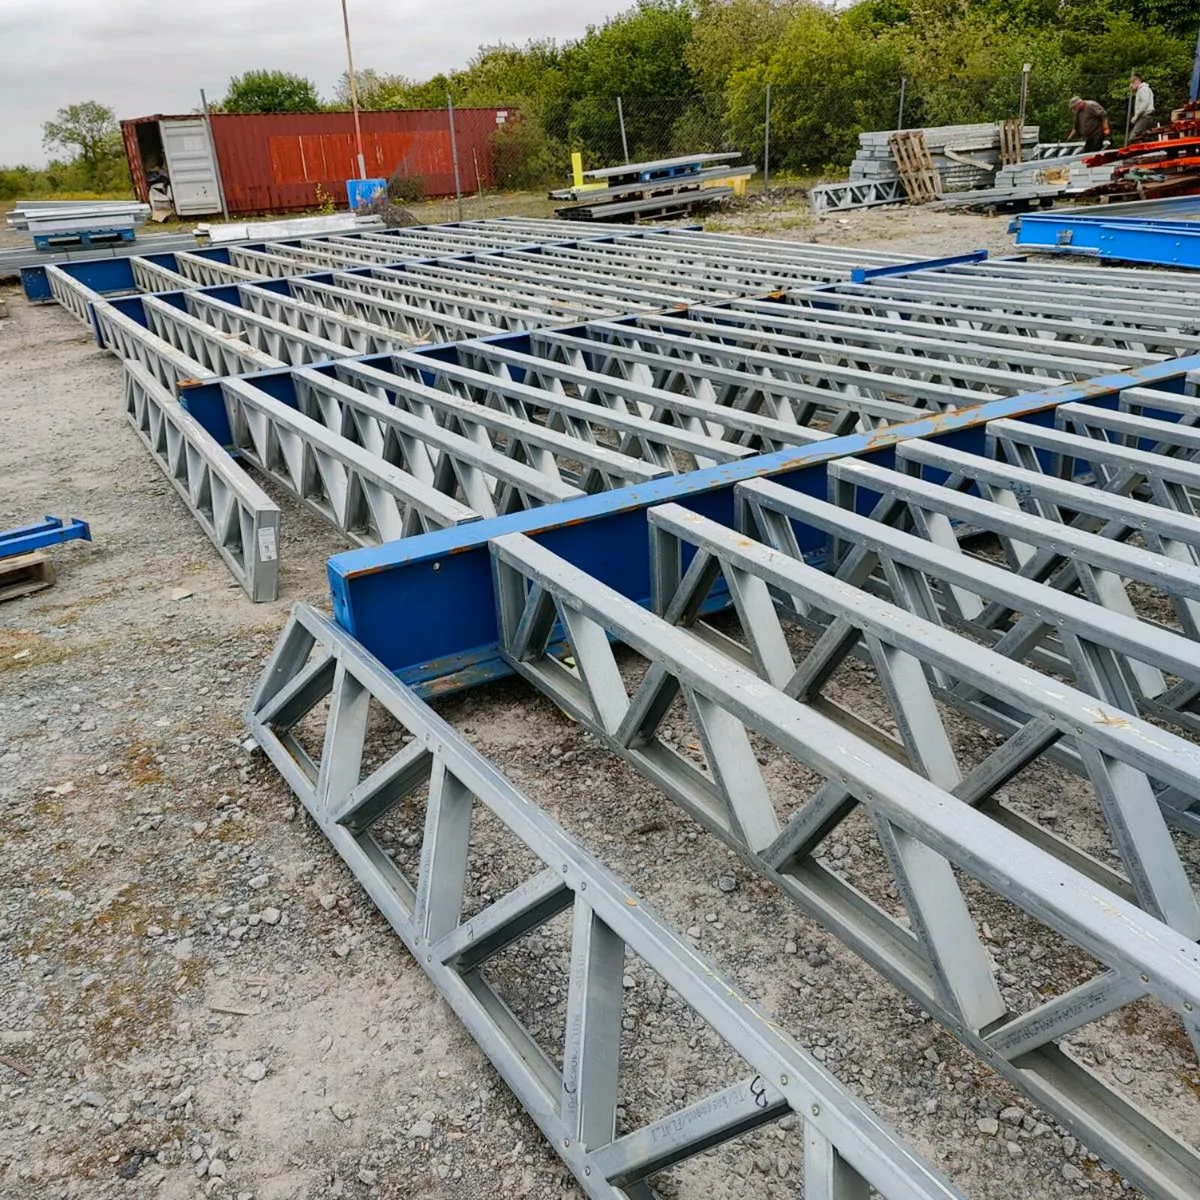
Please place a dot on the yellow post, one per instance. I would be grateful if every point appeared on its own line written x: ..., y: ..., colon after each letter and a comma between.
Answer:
x: 577, y: 167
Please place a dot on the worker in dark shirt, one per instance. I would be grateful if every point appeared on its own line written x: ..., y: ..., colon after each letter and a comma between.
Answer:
x: 1091, y: 124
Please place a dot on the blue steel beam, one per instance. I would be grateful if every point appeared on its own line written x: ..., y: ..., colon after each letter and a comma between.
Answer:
x: 425, y: 606
x: 866, y: 274
x: 1167, y: 235
x: 46, y: 532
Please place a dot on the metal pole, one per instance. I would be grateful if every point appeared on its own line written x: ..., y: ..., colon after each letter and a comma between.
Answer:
x: 621, y: 122
x: 767, y: 144
x: 454, y: 155
x: 362, y: 163
x: 212, y: 145
x: 1024, y: 92
x: 900, y: 113
x: 1128, y: 116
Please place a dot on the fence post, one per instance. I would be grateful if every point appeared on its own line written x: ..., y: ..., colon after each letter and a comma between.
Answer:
x: 454, y: 155
x: 900, y: 113
x: 767, y: 144
x: 621, y: 122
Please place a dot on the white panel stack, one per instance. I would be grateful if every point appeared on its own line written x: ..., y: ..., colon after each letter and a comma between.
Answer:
x: 874, y: 161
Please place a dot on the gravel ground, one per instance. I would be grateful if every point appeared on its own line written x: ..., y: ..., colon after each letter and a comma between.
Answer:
x: 195, y: 996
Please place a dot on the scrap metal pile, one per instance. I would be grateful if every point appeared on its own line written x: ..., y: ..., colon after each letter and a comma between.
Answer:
x: 687, y: 485
x: 1164, y: 162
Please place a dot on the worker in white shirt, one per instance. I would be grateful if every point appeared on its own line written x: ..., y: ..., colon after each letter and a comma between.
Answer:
x: 1143, y: 107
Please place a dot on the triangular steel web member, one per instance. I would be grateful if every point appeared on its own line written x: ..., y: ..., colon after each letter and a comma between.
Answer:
x: 573, y: 1097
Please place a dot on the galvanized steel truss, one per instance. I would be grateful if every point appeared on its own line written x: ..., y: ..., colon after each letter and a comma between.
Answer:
x: 847, y: 1150
x: 219, y: 353
x: 236, y: 515
x: 354, y: 490
x: 928, y: 837
x: 131, y: 342
x: 562, y: 457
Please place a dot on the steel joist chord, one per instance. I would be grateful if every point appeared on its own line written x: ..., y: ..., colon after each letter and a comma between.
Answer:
x: 352, y: 790
x: 236, y: 515
x: 706, y: 691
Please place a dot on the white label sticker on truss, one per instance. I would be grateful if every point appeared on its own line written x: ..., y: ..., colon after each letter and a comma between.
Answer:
x: 267, y: 551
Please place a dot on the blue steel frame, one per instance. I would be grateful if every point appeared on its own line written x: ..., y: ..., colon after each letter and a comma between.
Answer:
x: 425, y: 606
x: 1167, y: 235
x: 45, y: 532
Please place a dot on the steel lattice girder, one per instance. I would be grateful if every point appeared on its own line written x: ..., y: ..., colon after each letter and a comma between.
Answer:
x: 374, y: 306
x: 487, y: 478
x: 1025, y: 351
x: 1164, y: 320
x: 490, y: 277
x: 218, y: 353
x: 131, y: 342
x: 1097, y: 642
x: 349, y: 334
x: 354, y: 490
x: 623, y: 355
x: 150, y: 276
x: 558, y: 454
x: 865, y: 361
x: 1080, y: 327
x: 676, y: 447
x: 848, y: 1150
x: 470, y: 292
x: 238, y: 517
x: 454, y: 607
x: 831, y: 197
x: 559, y: 366
x: 77, y: 298
x: 926, y: 834
x: 209, y: 272
x: 823, y: 369
x: 282, y: 341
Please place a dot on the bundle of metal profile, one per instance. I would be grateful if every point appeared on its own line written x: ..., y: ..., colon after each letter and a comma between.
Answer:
x: 764, y: 691
x: 456, y: 935
x: 965, y: 156
x: 50, y: 216
x: 235, y: 514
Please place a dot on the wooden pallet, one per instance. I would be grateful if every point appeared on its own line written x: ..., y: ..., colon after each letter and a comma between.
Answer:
x: 921, y: 180
x: 1010, y: 141
x: 24, y: 574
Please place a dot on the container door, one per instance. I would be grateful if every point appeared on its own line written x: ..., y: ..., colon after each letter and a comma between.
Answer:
x: 190, y: 165
x: 133, y: 156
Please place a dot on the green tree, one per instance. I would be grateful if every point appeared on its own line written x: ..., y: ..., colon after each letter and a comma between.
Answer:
x: 270, y: 91
x: 376, y: 90
x: 88, y: 129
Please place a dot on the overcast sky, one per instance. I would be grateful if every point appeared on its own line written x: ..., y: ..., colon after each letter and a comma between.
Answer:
x: 150, y: 56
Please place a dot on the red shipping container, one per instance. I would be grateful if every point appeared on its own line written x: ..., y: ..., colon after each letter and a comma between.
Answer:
x: 274, y: 162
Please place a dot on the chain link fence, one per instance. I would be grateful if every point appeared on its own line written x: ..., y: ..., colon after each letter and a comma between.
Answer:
x: 792, y: 135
